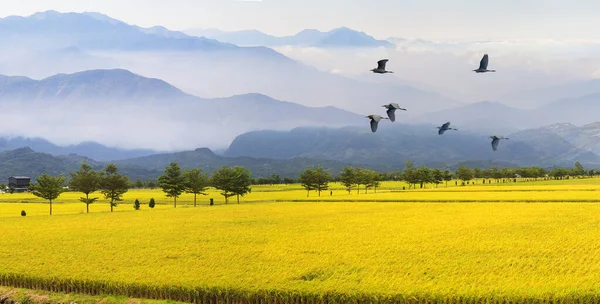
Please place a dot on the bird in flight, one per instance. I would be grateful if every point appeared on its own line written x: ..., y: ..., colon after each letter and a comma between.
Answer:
x: 445, y: 127
x: 375, y: 121
x: 496, y: 140
x: 381, y: 67
x: 483, y: 65
x: 391, y: 112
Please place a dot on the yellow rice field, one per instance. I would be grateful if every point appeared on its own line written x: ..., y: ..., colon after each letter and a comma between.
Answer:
x: 456, y: 244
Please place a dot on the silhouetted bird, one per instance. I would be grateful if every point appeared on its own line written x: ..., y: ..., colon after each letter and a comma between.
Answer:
x: 483, y: 65
x: 391, y: 112
x: 444, y: 128
x: 496, y: 140
x: 375, y: 121
x: 381, y: 67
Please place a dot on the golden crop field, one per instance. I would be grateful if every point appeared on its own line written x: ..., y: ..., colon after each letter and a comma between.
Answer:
x: 280, y: 246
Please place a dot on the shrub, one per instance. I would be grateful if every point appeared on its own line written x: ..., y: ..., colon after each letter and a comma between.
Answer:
x: 23, y: 213
x: 136, y: 204
x: 151, y: 204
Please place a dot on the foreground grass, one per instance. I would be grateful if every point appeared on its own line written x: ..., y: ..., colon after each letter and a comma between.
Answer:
x: 336, y: 252
x: 44, y: 297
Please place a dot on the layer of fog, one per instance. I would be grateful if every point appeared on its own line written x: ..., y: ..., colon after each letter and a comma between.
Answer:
x: 442, y: 68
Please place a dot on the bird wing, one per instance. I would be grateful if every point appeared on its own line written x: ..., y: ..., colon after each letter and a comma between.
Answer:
x: 441, y: 131
x: 391, y: 113
x: 381, y: 64
x: 395, y: 105
x: 446, y: 125
x: 374, y: 125
x: 484, y: 62
x: 495, y: 142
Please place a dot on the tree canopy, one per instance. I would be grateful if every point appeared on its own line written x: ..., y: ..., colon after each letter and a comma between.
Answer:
x: 113, y: 185
x: 85, y: 180
x: 49, y: 187
x: 172, y: 182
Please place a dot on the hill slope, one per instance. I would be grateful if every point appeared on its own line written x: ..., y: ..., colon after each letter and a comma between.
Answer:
x: 392, y: 145
x: 144, y: 112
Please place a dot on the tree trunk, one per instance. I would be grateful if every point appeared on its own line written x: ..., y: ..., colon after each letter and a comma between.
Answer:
x: 226, y: 199
x: 112, y: 202
x: 50, y: 207
x: 195, y: 199
x: 357, y: 188
x: 174, y: 201
x: 319, y: 192
x: 87, y: 202
x: 238, y: 198
x: 307, y: 193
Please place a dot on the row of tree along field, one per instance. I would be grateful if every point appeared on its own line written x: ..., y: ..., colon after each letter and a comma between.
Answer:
x: 237, y: 181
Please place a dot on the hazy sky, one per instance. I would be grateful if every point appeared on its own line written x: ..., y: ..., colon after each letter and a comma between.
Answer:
x: 430, y: 19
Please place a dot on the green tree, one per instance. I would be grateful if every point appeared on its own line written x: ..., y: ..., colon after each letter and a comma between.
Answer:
x: 410, y: 175
x: 224, y: 180
x: 172, y: 182
x: 373, y: 180
x: 322, y: 178
x: 87, y: 181
x: 49, y: 187
x: 348, y: 178
x: 307, y: 180
x: 138, y: 184
x: 447, y: 176
x: 136, y: 204
x: 242, y: 180
x: 196, y: 182
x: 424, y: 175
x: 578, y: 170
x: 113, y: 185
x: 11, y: 189
x: 151, y: 184
x: 152, y: 203
x: 464, y: 173
x: 437, y: 177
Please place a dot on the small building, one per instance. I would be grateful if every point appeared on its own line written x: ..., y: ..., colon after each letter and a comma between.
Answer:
x: 19, y: 183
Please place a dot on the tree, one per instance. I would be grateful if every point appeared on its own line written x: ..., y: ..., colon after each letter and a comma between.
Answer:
x: 322, y: 178
x: 196, y: 182
x: 424, y: 175
x: 410, y: 174
x: 11, y: 189
x: 113, y: 185
x: 172, y: 182
x: 307, y: 180
x: 87, y: 181
x: 464, y: 173
x: 136, y: 204
x: 49, y: 187
x: 242, y: 180
x: 224, y: 180
x: 152, y: 203
x: 373, y: 180
x: 348, y: 178
x: 447, y: 176
x: 151, y: 184
x: 578, y: 170
x: 437, y: 176
x: 138, y: 184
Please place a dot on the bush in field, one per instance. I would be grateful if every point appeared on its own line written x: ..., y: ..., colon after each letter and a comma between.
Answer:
x: 136, y: 204
x: 151, y: 204
x: 23, y: 213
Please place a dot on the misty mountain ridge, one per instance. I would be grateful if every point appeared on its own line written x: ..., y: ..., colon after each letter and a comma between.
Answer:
x: 96, y: 31
x: 339, y: 37
x: 150, y: 108
x: 395, y: 143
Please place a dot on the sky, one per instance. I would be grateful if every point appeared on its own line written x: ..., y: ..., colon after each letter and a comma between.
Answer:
x: 459, y: 20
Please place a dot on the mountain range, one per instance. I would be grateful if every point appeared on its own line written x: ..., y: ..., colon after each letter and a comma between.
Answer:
x: 339, y: 37
x: 50, y: 43
x: 121, y: 94
x: 393, y: 144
